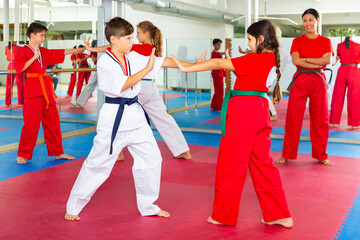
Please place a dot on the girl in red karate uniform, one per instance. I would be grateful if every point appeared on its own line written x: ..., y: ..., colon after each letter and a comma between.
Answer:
x: 246, y: 143
x: 310, y: 54
x: 82, y: 76
x: 72, y: 76
x: 218, y: 78
x: 348, y: 52
x: 10, y: 52
x: 40, y: 105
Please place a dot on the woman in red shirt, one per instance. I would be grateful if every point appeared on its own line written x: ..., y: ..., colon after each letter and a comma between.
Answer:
x: 247, y: 140
x: 348, y: 52
x: 310, y: 54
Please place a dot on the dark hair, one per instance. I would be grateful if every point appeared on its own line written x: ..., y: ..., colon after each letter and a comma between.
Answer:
x: 155, y: 35
x: 74, y: 47
x: 35, y: 28
x: 312, y: 12
x: 266, y: 29
x: 216, y: 40
x: 94, y: 43
x: 118, y: 27
x: 347, y: 42
x: 81, y: 46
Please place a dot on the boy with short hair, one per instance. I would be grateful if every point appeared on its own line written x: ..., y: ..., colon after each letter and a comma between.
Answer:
x: 122, y: 123
x: 40, y: 105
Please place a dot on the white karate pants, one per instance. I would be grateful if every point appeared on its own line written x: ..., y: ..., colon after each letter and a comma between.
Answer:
x: 86, y: 91
x: 98, y: 165
x: 169, y: 130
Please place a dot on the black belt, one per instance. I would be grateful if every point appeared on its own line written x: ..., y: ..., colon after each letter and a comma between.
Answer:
x: 307, y: 71
x: 351, y: 65
x: 121, y: 102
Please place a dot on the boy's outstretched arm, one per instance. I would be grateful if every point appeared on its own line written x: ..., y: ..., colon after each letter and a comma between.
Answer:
x: 94, y: 49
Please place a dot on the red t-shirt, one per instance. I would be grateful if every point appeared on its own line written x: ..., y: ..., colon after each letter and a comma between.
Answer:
x: 47, y: 57
x: 311, y: 48
x: 349, y: 55
x: 72, y: 58
x: 84, y: 63
x: 95, y: 55
x: 252, y: 71
x: 143, y: 49
x: 217, y: 73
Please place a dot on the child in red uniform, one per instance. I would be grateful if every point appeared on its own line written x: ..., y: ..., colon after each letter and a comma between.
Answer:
x: 83, y: 76
x: 218, y: 78
x: 348, y: 52
x: 310, y: 54
x: 40, y: 105
x: 72, y: 76
x: 247, y: 140
x: 10, y: 52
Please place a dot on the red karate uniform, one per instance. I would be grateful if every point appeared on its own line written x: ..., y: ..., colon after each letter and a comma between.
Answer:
x: 247, y: 145
x: 40, y: 105
x: 308, y: 86
x: 82, y: 75
x: 72, y: 76
x: 218, y: 81
x: 10, y: 56
x: 347, y: 77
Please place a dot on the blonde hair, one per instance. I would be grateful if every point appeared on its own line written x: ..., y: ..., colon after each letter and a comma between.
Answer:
x: 155, y: 35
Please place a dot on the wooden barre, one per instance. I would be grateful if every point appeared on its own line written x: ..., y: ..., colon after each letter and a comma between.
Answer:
x: 57, y: 70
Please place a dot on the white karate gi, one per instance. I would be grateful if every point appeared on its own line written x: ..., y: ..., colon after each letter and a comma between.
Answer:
x: 164, y: 122
x: 133, y: 132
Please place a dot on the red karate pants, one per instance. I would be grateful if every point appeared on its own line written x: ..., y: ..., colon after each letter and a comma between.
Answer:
x: 217, y: 100
x: 20, y: 87
x: 72, y: 83
x: 313, y: 87
x: 247, y: 145
x: 34, y: 112
x: 347, y: 77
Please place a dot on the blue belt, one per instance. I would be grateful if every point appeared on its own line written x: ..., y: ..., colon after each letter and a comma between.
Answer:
x: 121, y: 102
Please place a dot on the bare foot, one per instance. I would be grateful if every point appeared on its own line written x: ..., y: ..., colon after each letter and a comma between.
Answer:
x: 64, y: 156
x: 273, y: 117
x: 21, y: 105
x: 71, y: 217
x: 211, y: 220
x: 68, y: 96
x: 355, y: 127
x: 20, y: 160
x: 8, y: 105
x: 163, y: 213
x: 281, y: 160
x: 120, y: 157
x: 72, y: 105
x: 331, y: 125
x: 285, y: 222
x: 79, y: 106
x: 185, y: 155
x: 326, y: 162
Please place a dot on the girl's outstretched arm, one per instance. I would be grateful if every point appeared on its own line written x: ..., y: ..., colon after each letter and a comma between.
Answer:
x: 215, y: 63
x: 170, y: 63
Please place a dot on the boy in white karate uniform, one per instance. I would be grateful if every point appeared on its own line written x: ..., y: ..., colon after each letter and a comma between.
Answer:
x: 122, y: 123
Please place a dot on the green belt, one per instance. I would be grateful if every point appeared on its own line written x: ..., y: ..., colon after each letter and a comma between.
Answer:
x: 234, y: 93
x: 83, y: 64
x: 146, y: 79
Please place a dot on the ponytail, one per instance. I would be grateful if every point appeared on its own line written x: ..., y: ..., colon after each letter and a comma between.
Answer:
x: 155, y: 35
x: 157, y: 41
x: 277, y: 94
x: 266, y: 29
x: 347, y: 42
